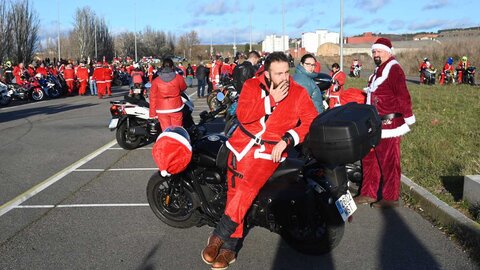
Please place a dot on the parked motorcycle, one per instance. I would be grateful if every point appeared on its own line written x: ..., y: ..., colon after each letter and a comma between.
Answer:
x: 229, y: 95
x: 470, y: 75
x: 133, y: 125
x: 51, y: 86
x: 5, y: 97
x: 428, y: 76
x: 355, y: 71
x: 306, y: 200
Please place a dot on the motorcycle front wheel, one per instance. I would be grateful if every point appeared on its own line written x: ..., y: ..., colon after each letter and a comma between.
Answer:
x: 54, y: 92
x: 37, y: 94
x: 172, y: 203
x: 5, y: 100
x: 126, y: 140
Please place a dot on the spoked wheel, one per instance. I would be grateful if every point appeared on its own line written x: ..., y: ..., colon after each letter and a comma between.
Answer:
x: 37, y: 94
x: 172, y: 203
x: 214, y: 103
x: 5, y: 100
x: 125, y: 139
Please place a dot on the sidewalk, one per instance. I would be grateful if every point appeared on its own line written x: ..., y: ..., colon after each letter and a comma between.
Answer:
x: 465, y: 230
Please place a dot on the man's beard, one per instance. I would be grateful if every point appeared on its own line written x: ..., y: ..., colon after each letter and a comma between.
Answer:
x: 377, y: 60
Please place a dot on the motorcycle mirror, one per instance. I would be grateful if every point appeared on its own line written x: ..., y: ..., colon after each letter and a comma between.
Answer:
x: 220, y: 96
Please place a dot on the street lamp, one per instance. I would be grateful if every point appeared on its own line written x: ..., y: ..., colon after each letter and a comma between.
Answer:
x: 135, y: 29
x: 341, y: 35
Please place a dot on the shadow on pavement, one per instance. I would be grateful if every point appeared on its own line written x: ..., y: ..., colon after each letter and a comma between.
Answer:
x: 149, y: 260
x: 51, y: 109
x: 400, y: 248
x: 287, y: 258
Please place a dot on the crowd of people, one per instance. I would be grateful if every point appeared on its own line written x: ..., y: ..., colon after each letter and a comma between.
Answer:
x: 449, y: 74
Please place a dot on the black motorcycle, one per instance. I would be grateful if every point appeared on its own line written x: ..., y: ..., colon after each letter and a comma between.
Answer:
x: 306, y: 200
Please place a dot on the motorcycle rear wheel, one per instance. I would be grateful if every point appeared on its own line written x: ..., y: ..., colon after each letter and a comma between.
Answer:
x: 37, y: 94
x: 126, y: 141
x: 174, y: 205
x: 314, y: 241
x: 5, y: 100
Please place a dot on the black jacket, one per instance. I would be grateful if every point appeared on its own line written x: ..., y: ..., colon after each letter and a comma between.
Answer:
x: 201, y: 72
x: 241, y: 73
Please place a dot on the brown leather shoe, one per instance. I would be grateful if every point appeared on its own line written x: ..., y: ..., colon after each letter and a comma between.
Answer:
x: 363, y: 200
x: 224, y: 259
x: 210, y: 252
x: 386, y: 204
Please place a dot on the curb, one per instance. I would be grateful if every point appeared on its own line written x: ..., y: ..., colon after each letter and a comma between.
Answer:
x: 464, y: 229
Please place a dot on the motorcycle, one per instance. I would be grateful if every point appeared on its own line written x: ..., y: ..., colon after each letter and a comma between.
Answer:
x: 130, y: 119
x: 355, y: 71
x: 121, y: 78
x: 229, y: 95
x: 5, y: 97
x: 428, y: 76
x: 470, y: 75
x: 449, y: 77
x: 51, y: 86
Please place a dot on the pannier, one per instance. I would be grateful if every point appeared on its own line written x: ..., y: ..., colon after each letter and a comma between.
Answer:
x: 344, y: 134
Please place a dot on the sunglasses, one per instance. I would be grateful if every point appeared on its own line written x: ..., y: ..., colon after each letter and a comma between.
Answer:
x: 309, y: 64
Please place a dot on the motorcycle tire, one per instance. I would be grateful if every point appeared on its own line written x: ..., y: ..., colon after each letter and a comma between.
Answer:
x: 322, y: 241
x: 5, y: 100
x: 54, y: 92
x: 124, y: 140
x: 211, y: 102
x: 37, y: 94
x: 174, y: 206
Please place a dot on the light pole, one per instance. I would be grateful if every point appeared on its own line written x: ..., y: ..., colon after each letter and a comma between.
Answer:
x: 95, y: 34
x: 283, y: 25
x: 135, y: 29
x: 341, y: 35
x: 250, y: 32
x: 58, y: 29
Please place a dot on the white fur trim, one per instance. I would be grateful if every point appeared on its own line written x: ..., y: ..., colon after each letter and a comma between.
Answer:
x: 177, y: 137
x: 268, y: 106
x: 164, y: 173
x: 240, y: 155
x: 171, y: 110
x: 296, y: 138
x: 396, y: 132
x: 376, y: 82
x: 382, y: 47
x: 410, y: 120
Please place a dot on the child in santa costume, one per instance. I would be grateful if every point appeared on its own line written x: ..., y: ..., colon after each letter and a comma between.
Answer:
x: 387, y: 91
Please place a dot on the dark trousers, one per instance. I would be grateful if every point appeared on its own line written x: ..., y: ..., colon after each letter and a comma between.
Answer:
x: 201, y: 88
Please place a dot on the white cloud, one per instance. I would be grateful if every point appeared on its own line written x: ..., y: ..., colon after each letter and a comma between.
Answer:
x: 436, y: 4
x: 371, y: 5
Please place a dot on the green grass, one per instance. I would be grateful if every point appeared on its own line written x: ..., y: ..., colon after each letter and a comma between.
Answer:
x: 444, y: 144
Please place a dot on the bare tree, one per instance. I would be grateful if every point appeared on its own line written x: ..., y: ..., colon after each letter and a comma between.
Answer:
x: 5, y: 31
x: 24, y: 28
x: 84, y: 31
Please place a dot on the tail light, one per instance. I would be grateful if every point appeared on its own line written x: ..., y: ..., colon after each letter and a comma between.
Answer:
x: 115, y: 110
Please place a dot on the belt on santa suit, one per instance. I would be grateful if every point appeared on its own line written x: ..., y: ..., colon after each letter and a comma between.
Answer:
x: 258, y: 140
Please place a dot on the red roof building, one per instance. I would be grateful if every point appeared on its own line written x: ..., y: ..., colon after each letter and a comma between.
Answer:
x: 367, y: 37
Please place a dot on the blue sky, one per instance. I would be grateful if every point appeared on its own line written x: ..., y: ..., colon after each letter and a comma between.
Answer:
x: 221, y: 20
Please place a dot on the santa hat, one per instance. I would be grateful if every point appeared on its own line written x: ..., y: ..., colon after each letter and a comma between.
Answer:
x: 172, y: 151
x: 383, y: 44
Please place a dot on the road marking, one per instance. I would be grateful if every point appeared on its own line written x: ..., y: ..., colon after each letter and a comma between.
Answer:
x: 116, y: 169
x: 81, y: 205
x: 51, y: 180
x: 141, y: 148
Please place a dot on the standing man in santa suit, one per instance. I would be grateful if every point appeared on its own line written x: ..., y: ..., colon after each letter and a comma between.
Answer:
x: 269, y: 110
x: 69, y: 75
x: 82, y: 76
x: 338, y: 78
x: 99, y: 78
x: 387, y: 91
x: 108, y: 78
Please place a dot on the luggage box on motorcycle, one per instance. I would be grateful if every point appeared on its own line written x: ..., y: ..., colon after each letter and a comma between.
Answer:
x: 344, y: 134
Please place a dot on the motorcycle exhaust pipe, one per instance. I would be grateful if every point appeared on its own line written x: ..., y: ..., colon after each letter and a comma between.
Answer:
x: 138, y: 131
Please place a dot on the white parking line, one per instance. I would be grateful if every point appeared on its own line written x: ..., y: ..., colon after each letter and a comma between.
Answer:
x: 116, y: 169
x: 51, y: 180
x: 82, y: 205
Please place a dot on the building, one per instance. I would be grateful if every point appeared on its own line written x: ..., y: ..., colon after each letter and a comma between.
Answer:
x: 367, y: 37
x: 425, y: 37
x: 312, y: 40
x: 274, y: 43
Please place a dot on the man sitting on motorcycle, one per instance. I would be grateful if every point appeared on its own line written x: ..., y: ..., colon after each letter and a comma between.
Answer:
x: 423, y: 67
x: 257, y: 148
x: 447, y: 68
x: 462, y: 68
x: 355, y: 65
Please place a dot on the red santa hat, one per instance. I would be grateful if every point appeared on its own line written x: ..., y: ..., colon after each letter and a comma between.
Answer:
x: 172, y: 151
x: 383, y: 44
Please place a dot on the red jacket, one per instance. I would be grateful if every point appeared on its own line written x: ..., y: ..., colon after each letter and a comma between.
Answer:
x: 253, y: 107
x: 387, y: 91
x: 137, y: 76
x: 165, y: 93
x: 69, y: 74
x: 82, y: 73
x: 18, y: 73
x: 108, y: 74
x: 98, y: 75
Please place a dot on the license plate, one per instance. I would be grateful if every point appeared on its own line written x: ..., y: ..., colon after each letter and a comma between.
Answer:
x: 345, y: 205
x: 113, y: 123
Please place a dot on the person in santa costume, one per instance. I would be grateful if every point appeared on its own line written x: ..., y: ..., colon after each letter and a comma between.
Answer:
x: 165, y: 96
x: 338, y: 79
x: 69, y: 75
x: 82, y: 76
x: 447, y: 68
x: 269, y: 110
x: 99, y: 78
x: 387, y: 91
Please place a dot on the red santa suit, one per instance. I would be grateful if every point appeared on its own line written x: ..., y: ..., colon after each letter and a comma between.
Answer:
x: 82, y: 76
x: 446, y: 68
x: 165, y: 100
x: 255, y: 105
x: 42, y: 70
x: 69, y: 75
x: 99, y: 78
x: 150, y: 73
x: 214, y: 75
x: 462, y: 66
x: 333, y: 94
x: 387, y: 91
x: 19, y: 72
x: 108, y: 79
